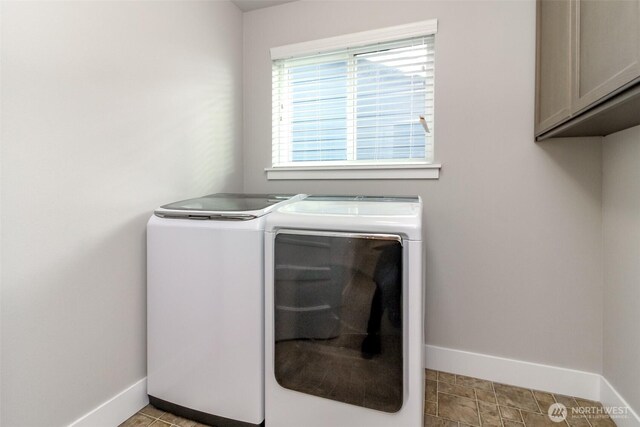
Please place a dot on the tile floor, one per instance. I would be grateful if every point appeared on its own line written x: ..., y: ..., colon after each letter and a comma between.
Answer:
x: 458, y: 401
x: 150, y: 416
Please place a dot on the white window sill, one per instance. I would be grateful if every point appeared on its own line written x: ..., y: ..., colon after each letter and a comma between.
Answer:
x: 406, y: 171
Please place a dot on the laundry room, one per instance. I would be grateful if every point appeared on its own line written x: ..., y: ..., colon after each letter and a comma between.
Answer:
x: 320, y: 213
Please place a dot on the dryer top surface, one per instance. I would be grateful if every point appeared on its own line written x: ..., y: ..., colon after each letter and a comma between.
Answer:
x: 352, y: 213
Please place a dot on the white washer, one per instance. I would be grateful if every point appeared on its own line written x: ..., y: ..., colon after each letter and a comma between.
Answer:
x: 344, y: 313
x: 205, y: 307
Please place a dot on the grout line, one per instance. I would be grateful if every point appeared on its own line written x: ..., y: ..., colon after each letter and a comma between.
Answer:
x: 149, y: 416
x: 588, y: 420
x: 553, y: 396
x: 456, y: 395
x: 453, y: 421
x: 478, y: 407
x: 535, y: 399
x: 497, y: 405
x: 584, y: 416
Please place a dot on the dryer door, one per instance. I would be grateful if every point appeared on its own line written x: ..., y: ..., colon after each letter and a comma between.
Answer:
x: 338, y: 316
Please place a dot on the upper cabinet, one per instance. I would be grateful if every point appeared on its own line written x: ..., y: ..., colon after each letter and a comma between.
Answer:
x: 608, y: 48
x: 588, y: 67
x: 554, y: 40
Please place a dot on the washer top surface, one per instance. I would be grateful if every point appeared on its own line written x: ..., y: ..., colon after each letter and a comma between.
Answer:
x: 398, y: 215
x: 223, y: 206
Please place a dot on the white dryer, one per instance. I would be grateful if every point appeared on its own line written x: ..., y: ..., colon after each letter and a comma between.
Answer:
x: 205, y: 315
x: 344, y: 313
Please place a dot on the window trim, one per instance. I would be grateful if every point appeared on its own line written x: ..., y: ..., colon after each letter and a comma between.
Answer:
x: 363, y: 38
x: 383, y: 170
x: 346, y: 172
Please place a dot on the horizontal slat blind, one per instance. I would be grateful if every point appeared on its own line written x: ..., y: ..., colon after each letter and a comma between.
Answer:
x: 355, y: 105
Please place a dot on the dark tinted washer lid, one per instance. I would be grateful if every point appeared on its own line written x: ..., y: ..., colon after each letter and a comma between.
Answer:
x: 228, y: 202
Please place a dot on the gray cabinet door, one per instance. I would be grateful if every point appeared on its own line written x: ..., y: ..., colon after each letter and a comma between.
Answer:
x: 607, y: 49
x: 555, y: 40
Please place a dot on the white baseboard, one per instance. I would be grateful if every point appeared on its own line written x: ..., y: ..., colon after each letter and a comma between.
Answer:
x: 509, y: 371
x: 515, y: 372
x: 117, y: 409
x: 535, y: 376
x: 609, y: 397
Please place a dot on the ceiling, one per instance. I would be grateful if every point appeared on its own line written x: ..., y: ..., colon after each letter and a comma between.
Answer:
x: 247, y: 5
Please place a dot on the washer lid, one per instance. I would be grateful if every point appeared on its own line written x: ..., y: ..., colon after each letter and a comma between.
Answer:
x: 223, y: 206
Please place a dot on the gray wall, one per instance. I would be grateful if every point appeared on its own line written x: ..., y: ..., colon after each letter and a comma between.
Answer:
x: 109, y: 109
x: 621, y: 215
x: 513, y: 229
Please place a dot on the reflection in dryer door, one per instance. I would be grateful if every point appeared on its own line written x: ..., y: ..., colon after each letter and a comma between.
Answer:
x: 338, y: 317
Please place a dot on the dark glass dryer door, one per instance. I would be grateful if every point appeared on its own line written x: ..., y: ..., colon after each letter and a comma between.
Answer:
x: 338, y: 317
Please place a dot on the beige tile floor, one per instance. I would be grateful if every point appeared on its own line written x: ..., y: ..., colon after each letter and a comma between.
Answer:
x: 458, y: 401
x: 150, y: 416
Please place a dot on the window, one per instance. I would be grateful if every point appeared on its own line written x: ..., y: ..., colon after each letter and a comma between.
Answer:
x: 370, y: 103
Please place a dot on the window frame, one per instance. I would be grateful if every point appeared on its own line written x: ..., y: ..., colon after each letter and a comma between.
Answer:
x: 389, y: 169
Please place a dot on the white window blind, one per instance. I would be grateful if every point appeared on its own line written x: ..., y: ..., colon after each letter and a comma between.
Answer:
x: 366, y: 105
